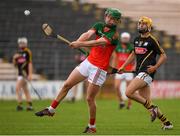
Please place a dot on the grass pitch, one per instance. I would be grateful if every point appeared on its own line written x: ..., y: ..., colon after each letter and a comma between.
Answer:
x: 72, y: 118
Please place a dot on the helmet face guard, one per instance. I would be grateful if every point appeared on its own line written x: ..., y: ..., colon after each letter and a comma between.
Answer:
x: 144, y: 21
x: 22, y: 46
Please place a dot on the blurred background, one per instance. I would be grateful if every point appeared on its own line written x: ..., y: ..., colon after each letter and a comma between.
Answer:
x: 53, y: 61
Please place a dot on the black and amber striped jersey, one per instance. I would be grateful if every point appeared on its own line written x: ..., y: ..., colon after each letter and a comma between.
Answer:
x: 146, y: 50
x: 23, y: 60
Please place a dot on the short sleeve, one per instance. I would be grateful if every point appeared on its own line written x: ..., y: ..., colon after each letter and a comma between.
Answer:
x: 131, y: 47
x: 29, y: 56
x: 156, y: 46
x: 115, y: 42
x: 113, y: 37
x: 97, y: 26
x: 117, y: 47
x: 134, y: 43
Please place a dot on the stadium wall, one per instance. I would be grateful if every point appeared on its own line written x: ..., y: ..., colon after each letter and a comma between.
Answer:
x: 49, y: 89
x: 46, y: 89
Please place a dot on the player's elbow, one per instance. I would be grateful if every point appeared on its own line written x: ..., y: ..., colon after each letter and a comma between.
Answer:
x: 101, y: 42
x: 87, y: 35
x: 128, y: 93
x: 164, y: 56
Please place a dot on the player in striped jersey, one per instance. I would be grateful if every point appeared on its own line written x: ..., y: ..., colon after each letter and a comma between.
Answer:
x: 146, y: 48
x: 23, y: 60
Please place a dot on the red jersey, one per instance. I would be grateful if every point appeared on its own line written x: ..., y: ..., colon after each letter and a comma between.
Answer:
x: 123, y: 51
x: 100, y: 55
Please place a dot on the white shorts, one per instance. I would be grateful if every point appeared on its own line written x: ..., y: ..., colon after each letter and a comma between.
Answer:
x: 20, y: 78
x: 94, y: 74
x: 144, y: 76
x: 125, y: 76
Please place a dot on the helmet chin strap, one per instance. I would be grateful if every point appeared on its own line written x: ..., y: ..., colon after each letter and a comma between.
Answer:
x: 22, y: 48
x: 124, y: 42
x: 111, y: 26
x: 143, y: 31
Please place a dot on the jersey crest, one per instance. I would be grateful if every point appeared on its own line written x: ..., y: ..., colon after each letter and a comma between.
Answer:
x: 106, y: 29
x: 140, y: 50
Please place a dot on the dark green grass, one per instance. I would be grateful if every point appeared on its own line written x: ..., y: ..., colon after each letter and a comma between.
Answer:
x: 73, y: 118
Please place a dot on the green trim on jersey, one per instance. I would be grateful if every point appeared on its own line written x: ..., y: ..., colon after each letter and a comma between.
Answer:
x: 129, y: 48
x: 99, y: 27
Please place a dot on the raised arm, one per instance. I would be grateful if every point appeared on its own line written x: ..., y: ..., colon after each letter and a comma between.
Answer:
x: 86, y: 36
x: 78, y: 44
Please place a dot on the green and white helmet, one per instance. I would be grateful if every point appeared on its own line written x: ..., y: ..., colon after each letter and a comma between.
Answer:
x: 115, y: 13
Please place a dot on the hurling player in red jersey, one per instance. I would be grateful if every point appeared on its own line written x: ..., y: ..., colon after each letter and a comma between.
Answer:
x: 146, y: 48
x: 120, y: 55
x: 94, y: 68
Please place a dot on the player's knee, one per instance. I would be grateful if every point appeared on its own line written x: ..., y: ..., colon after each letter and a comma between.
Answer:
x: 116, y: 87
x: 18, y: 88
x: 67, y: 86
x: 89, y: 100
x: 128, y: 94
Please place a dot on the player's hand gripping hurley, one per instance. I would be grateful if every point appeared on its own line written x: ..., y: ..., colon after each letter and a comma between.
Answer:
x: 112, y: 70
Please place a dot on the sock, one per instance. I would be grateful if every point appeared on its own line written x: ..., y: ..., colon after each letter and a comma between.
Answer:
x: 129, y: 102
x: 51, y: 109
x: 122, y: 102
x: 29, y: 103
x: 148, y: 104
x: 91, y: 126
x: 163, y: 118
x: 54, y: 104
x: 19, y: 103
x: 92, y: 123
